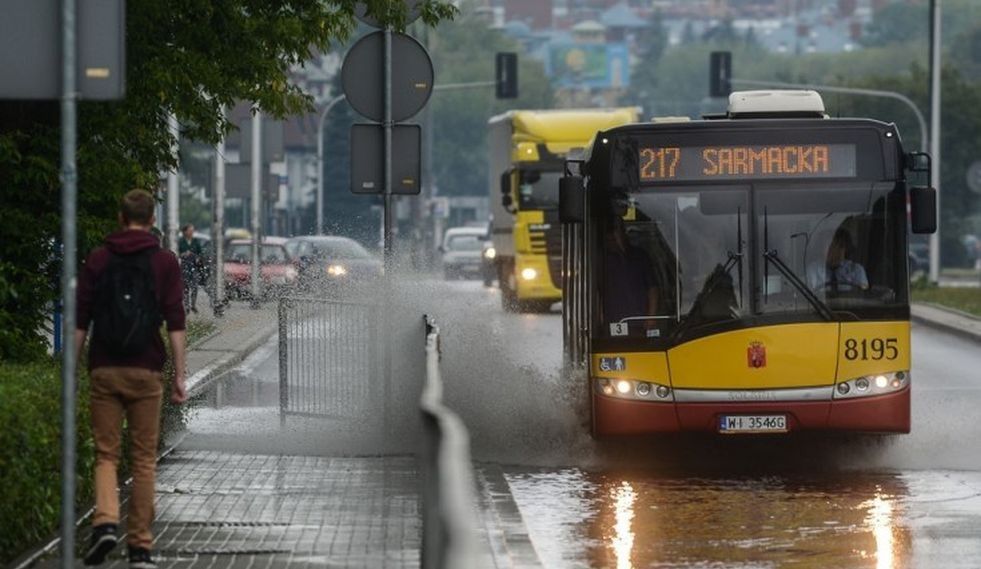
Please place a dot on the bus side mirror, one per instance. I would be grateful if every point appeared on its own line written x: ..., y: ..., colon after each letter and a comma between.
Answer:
x: 572, y: 199
x: 923, y: 209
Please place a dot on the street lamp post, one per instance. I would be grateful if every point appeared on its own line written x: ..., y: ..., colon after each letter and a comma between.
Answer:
x: 320, y: 161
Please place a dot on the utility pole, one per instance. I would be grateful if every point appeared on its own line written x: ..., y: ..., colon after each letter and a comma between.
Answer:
x: 218, y: 229
x: 173, y: 191
x: 935, y: 68
x: 256, y: 217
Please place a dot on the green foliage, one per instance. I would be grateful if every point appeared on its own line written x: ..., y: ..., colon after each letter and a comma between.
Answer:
x: 963, y: 299
x: 30, y: 446
x: 188, y: 58
x: 30, y: 453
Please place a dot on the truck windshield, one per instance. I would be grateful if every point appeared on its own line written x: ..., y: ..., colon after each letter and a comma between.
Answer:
x: 538, y: 190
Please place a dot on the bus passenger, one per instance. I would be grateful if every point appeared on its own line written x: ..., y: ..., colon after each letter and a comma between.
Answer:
x: 839, y: 273
x: 629, y: 283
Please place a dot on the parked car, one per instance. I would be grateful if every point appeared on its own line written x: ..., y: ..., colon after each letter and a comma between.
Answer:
x: 462, y: 251
x: 278, y: 273
x: 331, y: 262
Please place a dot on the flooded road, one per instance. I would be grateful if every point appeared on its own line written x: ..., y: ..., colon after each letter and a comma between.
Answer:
x: 797, y: 501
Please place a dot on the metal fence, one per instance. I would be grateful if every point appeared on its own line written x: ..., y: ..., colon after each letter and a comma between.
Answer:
x: 448, y: 481
x: 330, y: 358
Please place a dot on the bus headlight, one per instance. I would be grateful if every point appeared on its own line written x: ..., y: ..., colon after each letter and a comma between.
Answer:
x: 877, y: 384
x: 529, y: 274
x: 490, y: 253
x: 637, y: 390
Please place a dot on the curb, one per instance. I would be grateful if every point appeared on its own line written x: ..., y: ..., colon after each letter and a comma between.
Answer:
x: 948, y: 327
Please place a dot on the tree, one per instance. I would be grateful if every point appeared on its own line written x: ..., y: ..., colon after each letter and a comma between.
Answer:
x: 184, y: 58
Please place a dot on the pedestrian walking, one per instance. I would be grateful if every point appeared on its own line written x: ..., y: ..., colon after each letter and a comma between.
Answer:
x: 126, y: 290
x: 191, y: 255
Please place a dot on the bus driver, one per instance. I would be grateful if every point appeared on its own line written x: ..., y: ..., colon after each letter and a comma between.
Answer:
x: 629, y: 283
x: 839, y: 273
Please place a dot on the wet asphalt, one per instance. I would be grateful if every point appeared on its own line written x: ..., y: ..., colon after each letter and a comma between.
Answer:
x: 786, y: 501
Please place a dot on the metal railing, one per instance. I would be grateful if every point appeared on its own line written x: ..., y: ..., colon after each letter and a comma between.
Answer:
x: 329, y: 358
x: 448, y: 481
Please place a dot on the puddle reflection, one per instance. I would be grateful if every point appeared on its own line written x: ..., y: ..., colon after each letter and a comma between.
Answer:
x: 636, y: 520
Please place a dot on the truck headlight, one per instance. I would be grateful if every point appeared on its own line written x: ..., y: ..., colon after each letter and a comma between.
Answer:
x: 490, y: 253
x: 529, y: 274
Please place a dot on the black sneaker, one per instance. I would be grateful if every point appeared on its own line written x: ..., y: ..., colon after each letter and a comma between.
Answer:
x: 103, y: 541
x: 140, y: 558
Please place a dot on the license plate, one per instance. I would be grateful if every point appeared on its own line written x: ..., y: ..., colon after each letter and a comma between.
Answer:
x: 731, y: 424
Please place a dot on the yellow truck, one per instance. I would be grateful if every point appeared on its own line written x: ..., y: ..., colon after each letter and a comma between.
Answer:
x: 527, y: 153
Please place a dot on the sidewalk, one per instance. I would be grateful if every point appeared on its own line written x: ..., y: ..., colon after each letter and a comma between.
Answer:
x: 948, y: 320
x: 237, y: 334
x: 240, y: 491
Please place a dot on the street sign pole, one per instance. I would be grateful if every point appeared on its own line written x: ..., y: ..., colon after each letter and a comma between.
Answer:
x: 387, y: 213
x: 69, y: 200
x: 256, y: 216
x: 388, y: 149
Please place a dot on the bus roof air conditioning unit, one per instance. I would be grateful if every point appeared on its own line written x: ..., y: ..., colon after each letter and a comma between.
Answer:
x: 776, y: 104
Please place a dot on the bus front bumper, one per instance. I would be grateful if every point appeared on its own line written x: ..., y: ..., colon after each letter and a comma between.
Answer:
x: 877, y: 414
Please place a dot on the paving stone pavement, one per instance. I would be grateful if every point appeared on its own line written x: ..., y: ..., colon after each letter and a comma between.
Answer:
x: 218, y: 509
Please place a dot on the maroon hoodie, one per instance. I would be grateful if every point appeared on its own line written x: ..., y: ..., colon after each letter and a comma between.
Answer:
x: 167, y: 284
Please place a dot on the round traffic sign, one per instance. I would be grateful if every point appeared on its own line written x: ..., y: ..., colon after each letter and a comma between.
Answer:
x: 412, y: 12
x: 974, y: 176
x: 363, y: 76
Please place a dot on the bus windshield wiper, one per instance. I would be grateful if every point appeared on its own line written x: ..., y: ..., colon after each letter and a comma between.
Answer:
x: 716, y: 277
x: 770, y: 255
x: 817, y: 303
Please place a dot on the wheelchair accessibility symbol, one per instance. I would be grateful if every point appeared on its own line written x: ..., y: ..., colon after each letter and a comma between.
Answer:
x: 613, y: 364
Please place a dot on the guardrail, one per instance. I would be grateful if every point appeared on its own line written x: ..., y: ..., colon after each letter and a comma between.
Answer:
x: 448, y: 481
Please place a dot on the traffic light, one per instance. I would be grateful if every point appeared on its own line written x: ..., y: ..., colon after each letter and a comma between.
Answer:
x: 720, y: 74
x: 506, y: 75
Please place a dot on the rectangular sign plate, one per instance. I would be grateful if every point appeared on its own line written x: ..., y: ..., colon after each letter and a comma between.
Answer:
x: 742, y: 424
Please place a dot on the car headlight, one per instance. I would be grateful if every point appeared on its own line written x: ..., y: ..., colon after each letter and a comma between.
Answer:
x: 490, y: 252
x: 874, y: 384
x: 291, y: 274
x: 529, y: 274
x: 336, y: 270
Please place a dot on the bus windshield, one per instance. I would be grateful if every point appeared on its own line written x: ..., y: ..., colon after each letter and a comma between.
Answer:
x: 676, y: 259
x: 674, y: 254
x: 538, y: 190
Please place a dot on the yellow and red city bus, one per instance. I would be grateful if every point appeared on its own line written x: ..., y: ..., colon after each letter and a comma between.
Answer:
x: 746, y: 274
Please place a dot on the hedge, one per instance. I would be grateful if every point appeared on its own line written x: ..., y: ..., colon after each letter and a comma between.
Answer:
x: 30, y: 453
x: 30, y: 447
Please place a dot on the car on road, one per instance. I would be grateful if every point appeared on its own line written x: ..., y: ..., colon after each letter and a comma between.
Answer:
x: 332, y: 262
x: 278, y: 273
x: 462, y: 251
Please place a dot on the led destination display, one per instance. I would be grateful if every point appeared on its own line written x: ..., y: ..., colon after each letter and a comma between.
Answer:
x: 693, y: 163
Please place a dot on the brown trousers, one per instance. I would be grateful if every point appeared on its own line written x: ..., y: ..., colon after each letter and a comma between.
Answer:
x: 135, y: 393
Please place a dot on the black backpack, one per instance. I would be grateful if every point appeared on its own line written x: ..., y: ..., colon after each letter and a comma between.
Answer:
x: 126, y: 312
